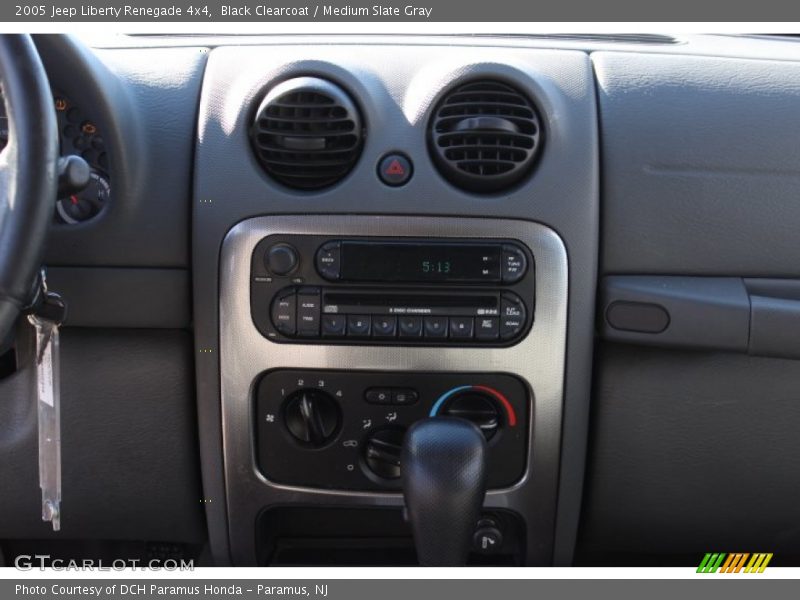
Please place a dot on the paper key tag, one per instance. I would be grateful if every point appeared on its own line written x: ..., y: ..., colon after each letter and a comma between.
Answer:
x: 48, y: 388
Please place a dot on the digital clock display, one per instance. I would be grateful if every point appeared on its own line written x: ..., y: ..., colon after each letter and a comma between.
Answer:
x: 432, y: 266
x: 420, y: 262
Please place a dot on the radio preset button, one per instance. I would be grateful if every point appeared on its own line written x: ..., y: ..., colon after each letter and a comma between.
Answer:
x: 329, y: 260
x: 384, y: 326
x: 513, y: 264
x: 436, y: 327
x: 461, y: 327
x: 333, y: 325
x: 487, y: 328
x: 283, y: 313
x: 410, y: 326
x: 358, y: 325
x: 512, y: 316
x: 308, y: 314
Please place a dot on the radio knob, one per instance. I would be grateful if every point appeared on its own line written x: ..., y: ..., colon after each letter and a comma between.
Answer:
x: 329, y: 260
x: 512, y: 316
x: 513, y: 265
x: 282, y: 259
x: 312, y: 417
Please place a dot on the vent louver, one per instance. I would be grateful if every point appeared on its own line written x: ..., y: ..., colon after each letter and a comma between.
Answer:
x: 485, y: 136
x: 307, y: 133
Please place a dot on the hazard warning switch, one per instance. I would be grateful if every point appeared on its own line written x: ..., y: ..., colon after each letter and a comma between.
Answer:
x: 395, y: 169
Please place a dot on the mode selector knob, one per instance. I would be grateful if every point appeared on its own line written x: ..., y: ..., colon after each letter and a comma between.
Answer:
x: 382, y: 452
x: 281, y: 259
x: 312, y: 417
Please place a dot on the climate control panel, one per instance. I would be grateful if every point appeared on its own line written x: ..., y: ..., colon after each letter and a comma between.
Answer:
x: 344, y: 429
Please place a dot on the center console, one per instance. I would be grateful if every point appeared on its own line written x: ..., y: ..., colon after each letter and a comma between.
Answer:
x: 394, y: 257
x: 340, y: 332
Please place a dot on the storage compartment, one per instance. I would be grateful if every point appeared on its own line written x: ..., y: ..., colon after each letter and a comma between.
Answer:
x: 291, y: 536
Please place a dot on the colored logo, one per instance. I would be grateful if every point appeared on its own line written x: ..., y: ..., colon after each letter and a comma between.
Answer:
x: 736, y: 562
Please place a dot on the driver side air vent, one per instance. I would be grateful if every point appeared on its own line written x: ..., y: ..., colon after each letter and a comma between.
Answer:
x: 484, y: 136
x: 307, y: 133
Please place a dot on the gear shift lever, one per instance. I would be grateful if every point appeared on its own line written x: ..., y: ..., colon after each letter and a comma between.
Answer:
x: 444, y: 482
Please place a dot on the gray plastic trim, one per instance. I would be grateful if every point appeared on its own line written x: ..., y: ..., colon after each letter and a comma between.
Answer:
x: 690, y: 451
x: 117, y: 297
x: 774, y: 327
x: 704, y: 312
x: 539, y: 359
x: 700, y: 164
x: 757, y: 316
x: 774, y: 317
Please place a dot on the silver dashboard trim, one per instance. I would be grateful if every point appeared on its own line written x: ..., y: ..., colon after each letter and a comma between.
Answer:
x: 538, y: 359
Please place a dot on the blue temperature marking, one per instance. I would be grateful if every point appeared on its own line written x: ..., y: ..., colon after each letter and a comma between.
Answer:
x: 443, y: 398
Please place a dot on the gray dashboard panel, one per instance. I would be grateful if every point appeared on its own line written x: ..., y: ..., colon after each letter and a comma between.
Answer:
x: 129, y: 441
x: 701, y: 168
x: 130, y: 298
x: 144, y: 101
x: 396, y: 87
x: 690, y: 453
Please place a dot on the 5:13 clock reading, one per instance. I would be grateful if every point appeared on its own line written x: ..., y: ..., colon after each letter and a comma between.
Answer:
x: 419, y: 261
x: 436, y: 266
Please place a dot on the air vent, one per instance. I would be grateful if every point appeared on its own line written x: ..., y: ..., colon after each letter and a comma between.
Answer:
x: 307, y: 133
x: 485, y: 136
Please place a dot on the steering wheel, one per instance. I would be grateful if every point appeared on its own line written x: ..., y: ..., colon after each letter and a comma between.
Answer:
x: 28, y: 174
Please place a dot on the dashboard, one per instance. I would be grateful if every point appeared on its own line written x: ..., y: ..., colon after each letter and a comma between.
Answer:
x: 583, y: 246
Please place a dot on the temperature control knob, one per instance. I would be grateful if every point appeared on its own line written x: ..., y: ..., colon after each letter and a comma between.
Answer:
x: 485, y: 407
x: 477, y: 407
x: 312, y: 417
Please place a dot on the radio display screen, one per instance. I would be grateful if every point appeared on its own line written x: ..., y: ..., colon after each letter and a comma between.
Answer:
x: 420, y: 262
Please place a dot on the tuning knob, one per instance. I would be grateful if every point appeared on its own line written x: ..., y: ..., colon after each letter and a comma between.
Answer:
x: 312, y: 417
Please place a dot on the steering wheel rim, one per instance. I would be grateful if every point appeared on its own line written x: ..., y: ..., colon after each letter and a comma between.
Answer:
x: 28, y: 173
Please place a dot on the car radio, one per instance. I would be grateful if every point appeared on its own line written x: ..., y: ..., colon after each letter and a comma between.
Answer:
x: 307, y: 288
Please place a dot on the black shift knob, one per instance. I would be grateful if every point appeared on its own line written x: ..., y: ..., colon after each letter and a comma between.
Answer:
x: 444, y: 482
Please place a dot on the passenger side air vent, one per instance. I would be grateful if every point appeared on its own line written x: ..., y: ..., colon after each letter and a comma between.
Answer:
x: 485, y: 136
x: 307, y: 133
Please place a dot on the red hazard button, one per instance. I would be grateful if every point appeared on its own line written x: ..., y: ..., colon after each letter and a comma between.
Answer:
x: 395, y: 169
